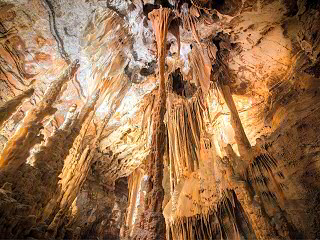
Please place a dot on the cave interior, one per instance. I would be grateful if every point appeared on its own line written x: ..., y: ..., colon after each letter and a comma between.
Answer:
x: 160, y: 119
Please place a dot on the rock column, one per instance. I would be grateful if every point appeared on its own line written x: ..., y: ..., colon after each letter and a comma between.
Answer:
x: 153, y: 221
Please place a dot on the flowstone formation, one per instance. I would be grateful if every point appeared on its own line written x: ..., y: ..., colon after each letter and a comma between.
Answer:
x: 159, y: 119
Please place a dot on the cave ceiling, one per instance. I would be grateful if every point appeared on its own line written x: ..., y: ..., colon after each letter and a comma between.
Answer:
x: 263, y: 43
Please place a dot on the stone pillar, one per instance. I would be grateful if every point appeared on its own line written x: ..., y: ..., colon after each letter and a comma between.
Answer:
x: 240, y: 135
x: 153, y: 220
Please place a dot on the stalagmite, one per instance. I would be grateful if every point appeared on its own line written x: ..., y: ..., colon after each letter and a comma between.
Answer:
x: 19, y: 145
x: 153, y: 220
x: 52, y: 154
x: 9, y: 107
x: 71, y: 148
x: 77, y: 168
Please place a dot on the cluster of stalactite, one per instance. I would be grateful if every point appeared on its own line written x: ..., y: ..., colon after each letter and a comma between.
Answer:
x: 185, y: 131
x: 184, y: 119
x: 250, y: 176
x: 185, y: 126
x: 225, y: 221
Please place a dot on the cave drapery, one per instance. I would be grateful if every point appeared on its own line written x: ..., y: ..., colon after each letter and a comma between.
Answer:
x: 159, y: 119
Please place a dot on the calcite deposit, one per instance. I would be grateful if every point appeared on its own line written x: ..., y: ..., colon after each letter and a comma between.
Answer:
x: 159, y: 119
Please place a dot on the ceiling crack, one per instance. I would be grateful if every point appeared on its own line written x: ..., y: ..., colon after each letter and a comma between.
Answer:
x: 53, y: 29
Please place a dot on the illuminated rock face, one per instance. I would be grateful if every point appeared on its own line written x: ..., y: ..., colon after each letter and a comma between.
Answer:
x: 159, y: 119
